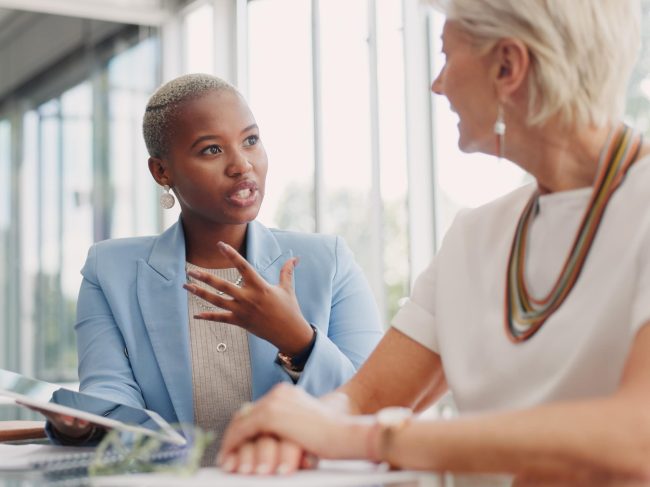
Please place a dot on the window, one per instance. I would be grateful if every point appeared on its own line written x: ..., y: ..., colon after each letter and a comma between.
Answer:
x: 331, y: 115
x: 131, y: 184
x: 5, y: 223
x: 198, y: 39
x: 83, y: 177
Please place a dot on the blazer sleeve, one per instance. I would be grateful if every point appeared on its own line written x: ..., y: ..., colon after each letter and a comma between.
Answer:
x: 354, y: 329
x: 104, y: 366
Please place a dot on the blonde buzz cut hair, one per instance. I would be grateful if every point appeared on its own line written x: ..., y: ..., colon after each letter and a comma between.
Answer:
x: 582, y: 51
x: 159, y: 115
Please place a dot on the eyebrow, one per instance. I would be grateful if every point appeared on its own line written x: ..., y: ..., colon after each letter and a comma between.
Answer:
x: 212, y: 137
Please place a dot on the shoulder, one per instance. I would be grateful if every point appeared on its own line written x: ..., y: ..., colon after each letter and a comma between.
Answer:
x: 307, y: 242
x: 132, y: 247
x: 492, y: 218
x: 630, y: 202
x: 319, y: 253
x: 637, y: 180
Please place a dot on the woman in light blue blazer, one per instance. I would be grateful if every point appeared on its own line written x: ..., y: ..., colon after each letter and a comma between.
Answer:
x: 144, y: 301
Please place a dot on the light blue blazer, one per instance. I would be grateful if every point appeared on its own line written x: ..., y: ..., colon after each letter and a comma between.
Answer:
x: 132, y: 317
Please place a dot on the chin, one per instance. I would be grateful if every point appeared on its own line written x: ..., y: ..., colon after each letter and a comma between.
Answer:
x: 246, y: 216
x: 471, y: 146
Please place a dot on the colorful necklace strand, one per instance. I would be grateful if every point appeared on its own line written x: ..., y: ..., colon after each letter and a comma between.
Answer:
x: 524, y: 315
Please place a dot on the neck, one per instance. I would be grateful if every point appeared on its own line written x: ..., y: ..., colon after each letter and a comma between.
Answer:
x: 559, y: 158
x: 201, y: 240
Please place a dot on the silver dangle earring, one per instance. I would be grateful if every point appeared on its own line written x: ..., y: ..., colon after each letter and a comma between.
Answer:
x: 167, y: 199
x: 500, y: 132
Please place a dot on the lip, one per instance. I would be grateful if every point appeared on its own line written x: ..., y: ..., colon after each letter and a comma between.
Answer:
x: 235, y: 200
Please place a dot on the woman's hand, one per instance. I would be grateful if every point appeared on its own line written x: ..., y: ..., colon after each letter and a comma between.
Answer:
x: 270, y: 312
x: 286, y: 429
x: 267, y: 455
x: 69, y: 426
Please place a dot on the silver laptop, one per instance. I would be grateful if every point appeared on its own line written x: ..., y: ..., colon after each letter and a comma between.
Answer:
x: 51, y: 397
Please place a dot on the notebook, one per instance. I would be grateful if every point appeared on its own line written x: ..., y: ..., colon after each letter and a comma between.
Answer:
x: 50, y: 397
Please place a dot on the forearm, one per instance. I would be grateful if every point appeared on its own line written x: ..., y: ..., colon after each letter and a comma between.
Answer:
x: 611, y: 435
x: 399, y: 372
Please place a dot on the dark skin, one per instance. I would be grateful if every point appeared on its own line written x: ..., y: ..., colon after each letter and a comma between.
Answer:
x: 216, y: 166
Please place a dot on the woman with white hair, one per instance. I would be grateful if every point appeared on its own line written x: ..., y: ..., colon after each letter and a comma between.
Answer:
x: 534, y: 311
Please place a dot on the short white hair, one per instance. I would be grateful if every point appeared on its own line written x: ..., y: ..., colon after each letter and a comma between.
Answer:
x: 159, y: 115
x: 582, y: 51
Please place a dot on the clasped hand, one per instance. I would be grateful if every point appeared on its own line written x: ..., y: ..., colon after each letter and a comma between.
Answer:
x: 269, y: 312
x: 286, y: 430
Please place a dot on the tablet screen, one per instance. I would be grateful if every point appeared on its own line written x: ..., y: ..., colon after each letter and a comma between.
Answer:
x: 107, y: 413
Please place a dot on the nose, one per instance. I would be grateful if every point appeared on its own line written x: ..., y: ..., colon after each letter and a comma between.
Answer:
x: 437, y: 84
x: 238, y: 165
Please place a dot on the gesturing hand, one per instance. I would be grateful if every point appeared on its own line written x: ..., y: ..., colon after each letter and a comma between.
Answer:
x: 270, y: 312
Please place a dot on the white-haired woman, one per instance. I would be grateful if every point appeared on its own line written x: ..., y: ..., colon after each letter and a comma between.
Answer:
x: 534, y: 311
x: 155, y: 315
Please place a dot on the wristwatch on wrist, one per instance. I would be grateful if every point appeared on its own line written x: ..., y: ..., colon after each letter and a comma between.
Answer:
x: 297, y: 362
x: 388, y: 422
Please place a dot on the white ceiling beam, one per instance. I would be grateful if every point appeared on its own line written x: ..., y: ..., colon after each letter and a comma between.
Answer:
x: 140, y: 13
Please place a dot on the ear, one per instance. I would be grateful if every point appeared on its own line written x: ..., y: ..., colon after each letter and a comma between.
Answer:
x: 512, y: 62
x: 158, y: 169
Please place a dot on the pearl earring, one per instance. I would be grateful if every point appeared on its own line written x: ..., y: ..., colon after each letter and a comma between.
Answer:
x: 167, y: 199
x: 500, y: 132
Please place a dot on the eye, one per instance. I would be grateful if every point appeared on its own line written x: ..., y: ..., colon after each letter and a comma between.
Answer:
x: 212, y: 150
x: 251, y: 140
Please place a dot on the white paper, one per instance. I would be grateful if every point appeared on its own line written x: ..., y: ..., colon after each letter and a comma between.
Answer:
x: 329, y: 474
x: 22, y: 457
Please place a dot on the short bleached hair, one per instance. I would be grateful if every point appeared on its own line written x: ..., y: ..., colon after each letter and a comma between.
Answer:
x: 161, y: 109
x: 582, y: 51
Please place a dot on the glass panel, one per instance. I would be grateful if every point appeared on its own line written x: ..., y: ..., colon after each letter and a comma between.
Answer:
x: 392, y: 151
x: 638, y: 100
x: 5, y: 175
x: 5, y: 220
x: 48, y: 301
x: 283, y: 107
x: 76, y: 196
x: 463, y: 180
x: 198, y: 40
x: 29, y: 241
x: 347, y: 158
x: 132, y: 189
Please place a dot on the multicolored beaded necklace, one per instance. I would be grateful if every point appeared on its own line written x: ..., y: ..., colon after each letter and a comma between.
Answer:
x: 525, y: 315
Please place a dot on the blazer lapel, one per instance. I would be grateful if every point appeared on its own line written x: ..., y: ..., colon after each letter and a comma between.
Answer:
x: 264, y: 253
x: 163, y: 303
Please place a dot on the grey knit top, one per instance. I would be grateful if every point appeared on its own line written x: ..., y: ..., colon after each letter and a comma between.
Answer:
x: 221, y: 369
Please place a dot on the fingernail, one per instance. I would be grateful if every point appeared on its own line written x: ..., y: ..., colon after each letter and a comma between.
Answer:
x: 310, y: 461
x: 263, y: 469
x: 229, y: 464
x: 283, y: 469
x: 245, y: 468
x: 194, y: 273
x: 67, y: 421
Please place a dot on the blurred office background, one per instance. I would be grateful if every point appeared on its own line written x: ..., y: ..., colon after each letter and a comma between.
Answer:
x: 357, y: 144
